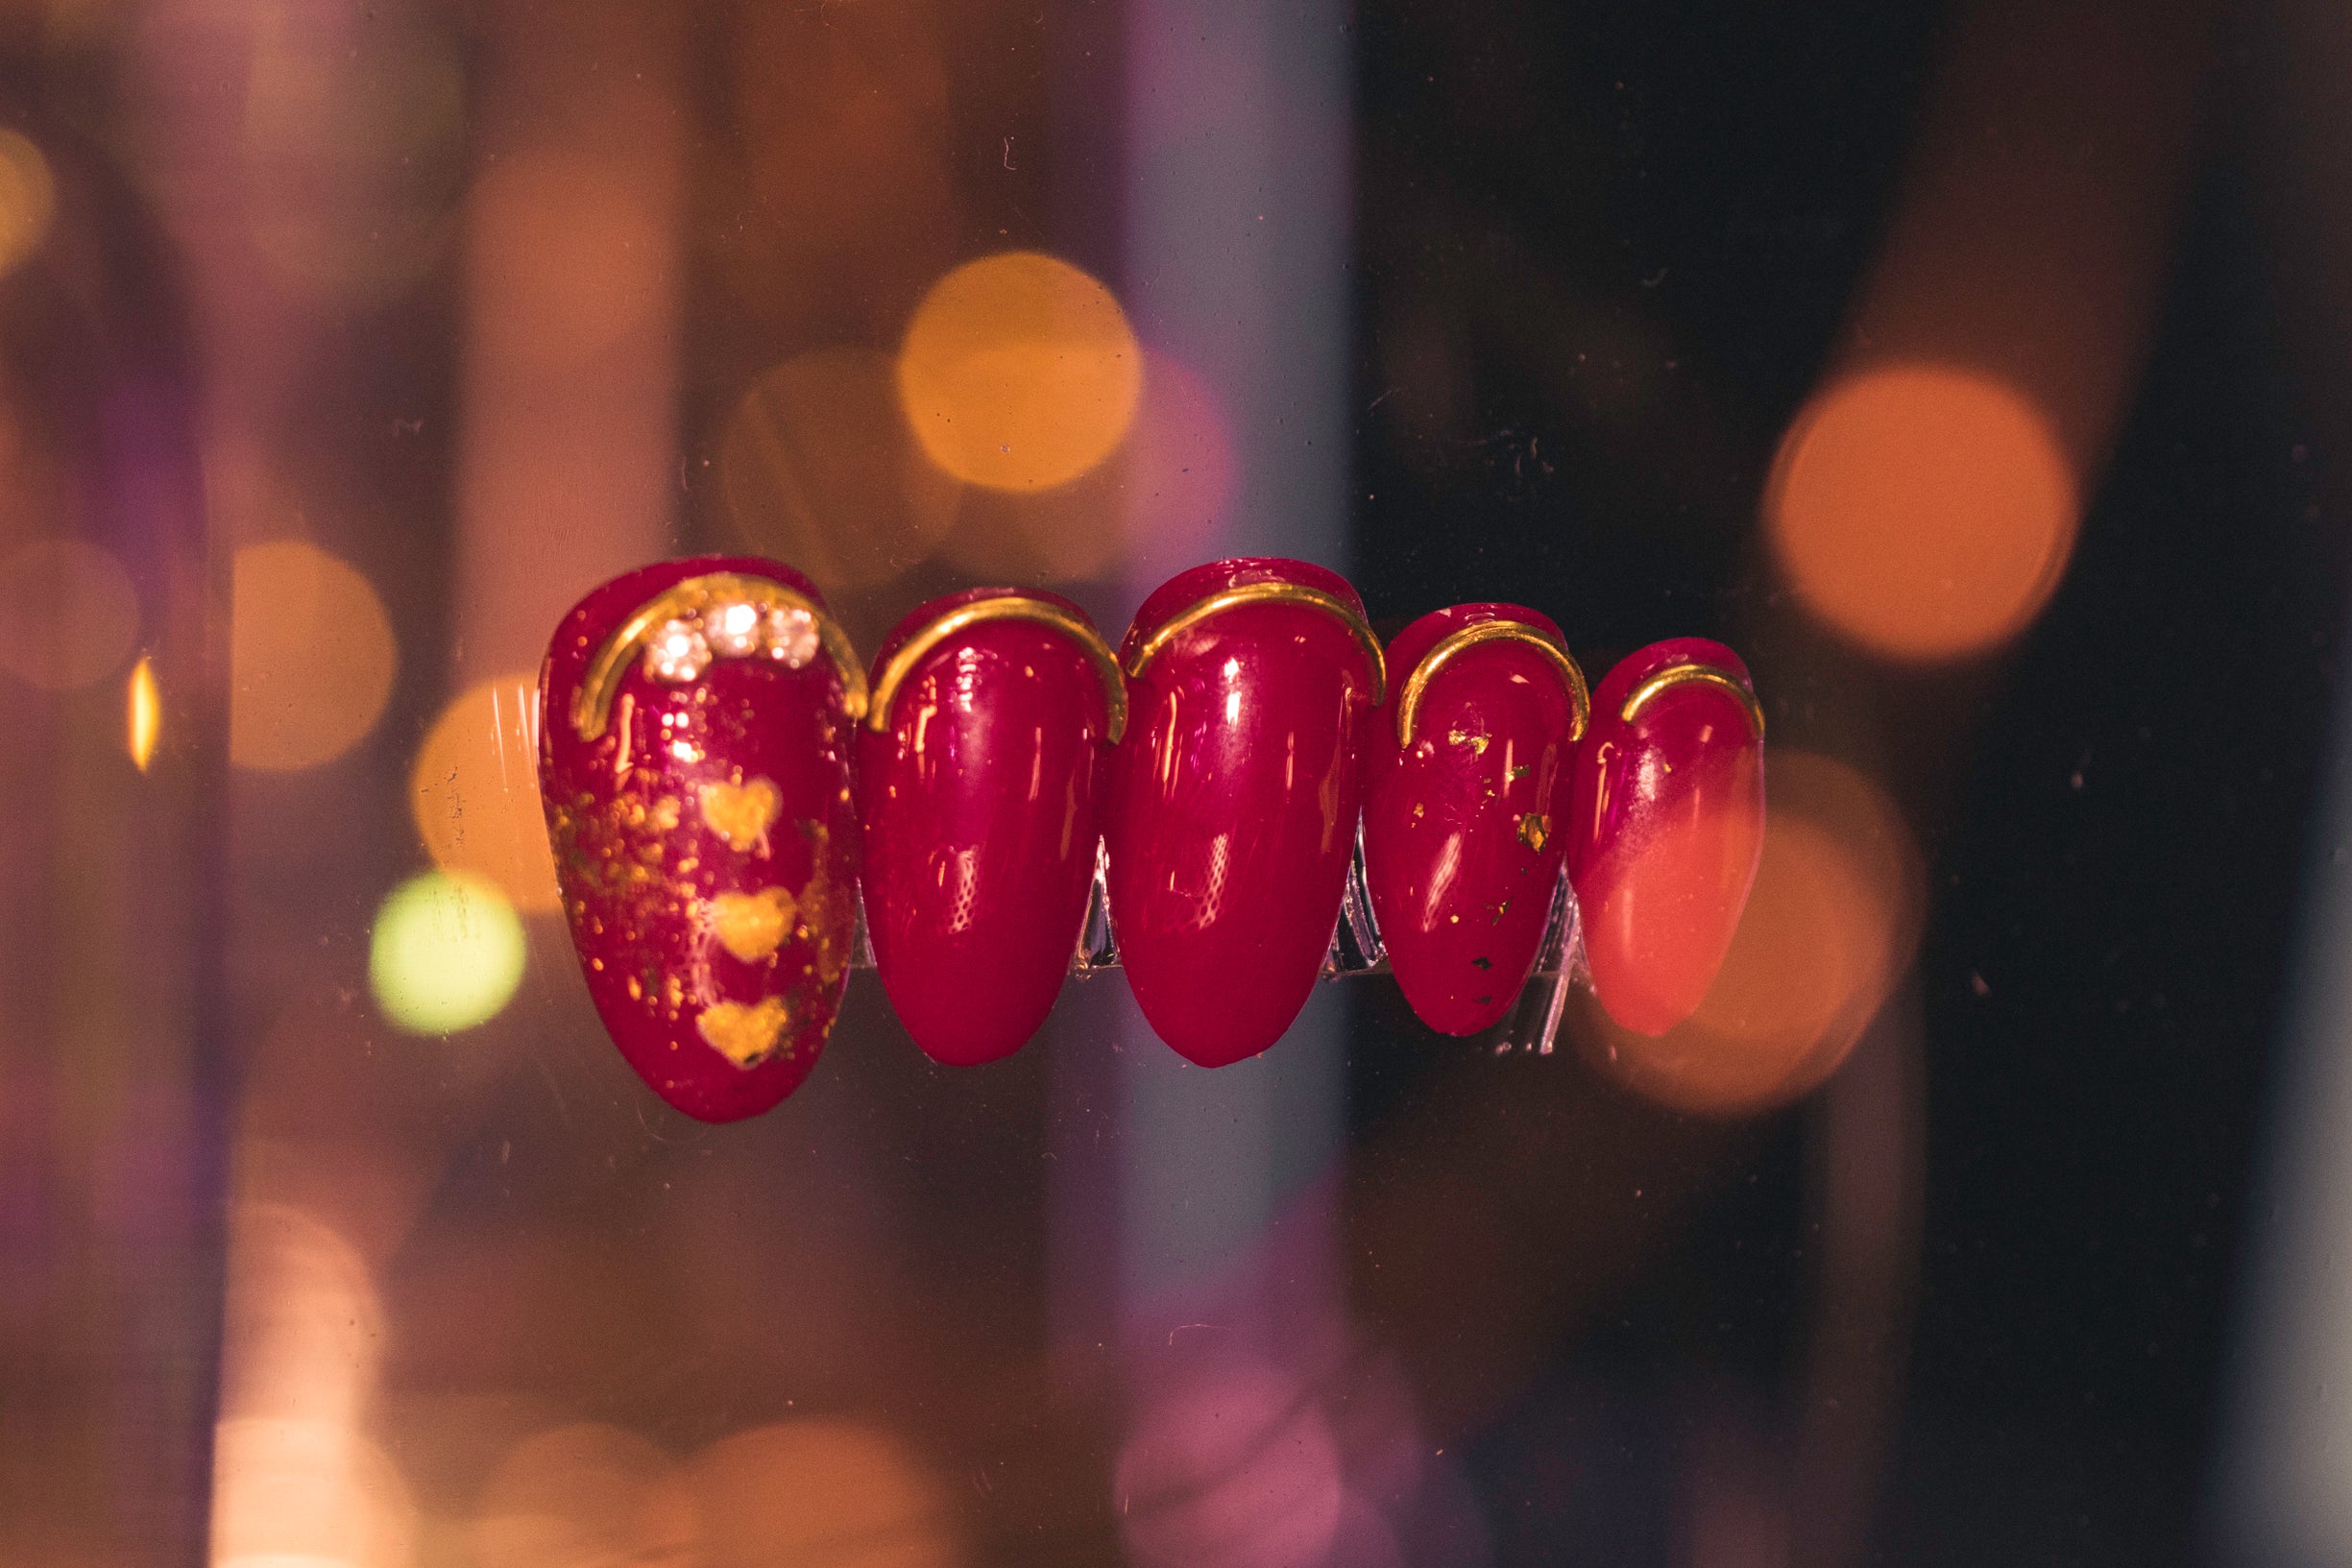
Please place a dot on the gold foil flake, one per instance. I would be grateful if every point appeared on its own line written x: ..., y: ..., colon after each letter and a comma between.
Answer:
x: 1477, y: 743
x: 1534, y: 831
x: 746, y: 1035
x: 751, y: 925
x: 742, y: 813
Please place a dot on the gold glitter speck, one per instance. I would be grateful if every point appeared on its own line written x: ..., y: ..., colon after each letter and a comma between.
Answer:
x: 1477, y: 743
x: 1534, y: 831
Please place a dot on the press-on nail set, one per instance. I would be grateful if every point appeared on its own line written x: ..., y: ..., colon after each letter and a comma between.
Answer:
x: 722, y: 781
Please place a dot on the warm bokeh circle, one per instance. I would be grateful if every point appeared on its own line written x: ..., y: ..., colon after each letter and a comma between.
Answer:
x: 819, y: 467
x: 69, y: 614
x: 1923, y: 510
x: 311, y: 657
x: 473, y: 790
x: 1152, y: 507
x: 1019, y: 371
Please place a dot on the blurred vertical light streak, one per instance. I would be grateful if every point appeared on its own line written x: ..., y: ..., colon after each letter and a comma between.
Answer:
x: 203, y: 71
x: 1237, y: 231
x: 2285, y: 1494
x: 1237, y: 136
x: 1867, y: 1148
x: 296, y: 1477
x: 568, y: 451
x: 147, y: 1019
x: 2034, y: 232
x: 2283, y: 1473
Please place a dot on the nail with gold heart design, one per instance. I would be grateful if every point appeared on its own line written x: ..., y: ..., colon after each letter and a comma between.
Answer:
x: 694, y: 744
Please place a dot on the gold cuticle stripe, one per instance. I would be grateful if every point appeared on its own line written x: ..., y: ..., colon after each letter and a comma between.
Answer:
x: 1256, y: 593
x: 592, y: 705
x: 1460, y: 642
x: 1005, y: 606
x: 1708, y: 675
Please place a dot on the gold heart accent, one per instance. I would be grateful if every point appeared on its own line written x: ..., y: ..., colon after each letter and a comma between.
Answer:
x: 742, y: 813
x: 744, y: 1035
x: 751, y: 925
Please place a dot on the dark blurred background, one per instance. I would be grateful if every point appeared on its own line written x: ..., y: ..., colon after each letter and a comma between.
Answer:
x: 1606, y: 255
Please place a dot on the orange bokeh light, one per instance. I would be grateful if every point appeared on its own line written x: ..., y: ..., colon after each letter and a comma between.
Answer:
x: 474, y: 792
x: 573, y: 253
x: 28, y: 199
x: 821, y: 1491
x: 68, y: 614
x: 580, y: 1494
x: 144, y: 713
x: 310, y: 656
x: 1155, y: 504
x: 1828, y: 926
x: 1019, y: 371
x: 1924, y: 511
x: 818, y: 468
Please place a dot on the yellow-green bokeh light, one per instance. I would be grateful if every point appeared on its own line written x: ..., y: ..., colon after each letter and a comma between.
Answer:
x: 447, y: 954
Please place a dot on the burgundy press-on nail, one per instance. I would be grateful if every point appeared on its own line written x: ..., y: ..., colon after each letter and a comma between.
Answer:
x: 1462, y: 847
x: 1665, y: 822
x: 980, y: 779
x: 1234, y: 796
x: 695, y: 733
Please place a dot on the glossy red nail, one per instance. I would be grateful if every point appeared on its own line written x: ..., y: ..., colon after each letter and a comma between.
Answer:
x: 981, y: 774
x: 1667, y: 819
x: 1462, y: 847
x: 1234, y: 796
x: 694, y: 734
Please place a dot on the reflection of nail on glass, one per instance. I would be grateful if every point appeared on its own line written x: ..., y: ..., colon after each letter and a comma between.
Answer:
x: 1830, y: 925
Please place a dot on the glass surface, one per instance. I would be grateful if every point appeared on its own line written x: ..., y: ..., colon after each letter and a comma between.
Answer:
x: 1976, y: 371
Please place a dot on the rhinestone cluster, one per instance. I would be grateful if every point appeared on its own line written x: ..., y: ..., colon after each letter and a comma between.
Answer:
x: 680, y: 650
